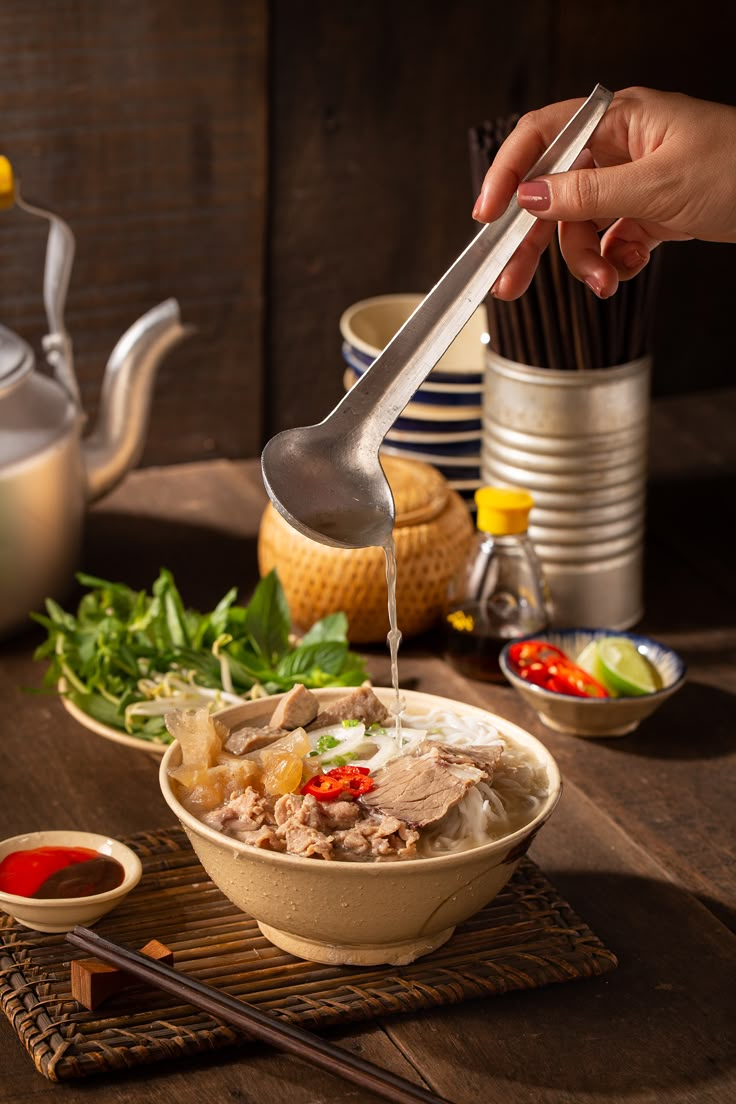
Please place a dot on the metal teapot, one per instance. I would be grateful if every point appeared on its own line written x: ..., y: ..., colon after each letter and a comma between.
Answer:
x: 49, y: 470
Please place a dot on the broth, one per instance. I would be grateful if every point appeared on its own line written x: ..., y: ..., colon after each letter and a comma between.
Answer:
x: 394, y: 634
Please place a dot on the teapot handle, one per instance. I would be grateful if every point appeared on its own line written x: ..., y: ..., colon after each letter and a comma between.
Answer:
x: 60, y: 246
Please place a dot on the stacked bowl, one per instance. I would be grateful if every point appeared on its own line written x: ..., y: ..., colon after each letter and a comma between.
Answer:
x: 442, y: 424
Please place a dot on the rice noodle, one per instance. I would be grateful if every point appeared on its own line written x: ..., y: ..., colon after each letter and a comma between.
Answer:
x: 486, y: 812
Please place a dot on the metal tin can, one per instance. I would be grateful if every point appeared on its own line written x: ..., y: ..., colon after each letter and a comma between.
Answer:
x: 578, y: 441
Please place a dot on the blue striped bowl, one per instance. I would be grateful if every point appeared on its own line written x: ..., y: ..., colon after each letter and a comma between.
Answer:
x: 598, y: 717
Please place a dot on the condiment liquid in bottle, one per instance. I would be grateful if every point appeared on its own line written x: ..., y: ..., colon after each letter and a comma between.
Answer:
x: 499, y: 593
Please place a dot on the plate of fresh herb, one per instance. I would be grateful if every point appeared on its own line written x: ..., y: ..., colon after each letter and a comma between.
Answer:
x: 126, y: 657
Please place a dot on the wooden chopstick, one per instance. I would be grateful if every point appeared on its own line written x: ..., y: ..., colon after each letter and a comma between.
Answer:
x: 311, y: 1048
x: 558, y: 325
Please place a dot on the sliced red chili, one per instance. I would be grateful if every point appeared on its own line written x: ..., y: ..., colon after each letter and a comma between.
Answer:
x: 525, y: 652
x: 355, y: 780
x: 357, y: 785
x: 565, y: 677
x: 536, y: 673
x: 323, y: 788
x: 547, y: 666
x: 344, y: 781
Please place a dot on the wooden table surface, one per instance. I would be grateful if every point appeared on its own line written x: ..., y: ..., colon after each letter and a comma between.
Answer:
x: 641, y: 844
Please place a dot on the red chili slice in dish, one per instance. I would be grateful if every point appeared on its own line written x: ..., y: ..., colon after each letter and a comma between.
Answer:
x: 323, y: 788
x: 565, y: 677
x: 355, y: 780
x: 525, y: 652
x: 343, y: 781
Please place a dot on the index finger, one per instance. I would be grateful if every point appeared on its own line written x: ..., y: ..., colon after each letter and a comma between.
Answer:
x: 531, y: 136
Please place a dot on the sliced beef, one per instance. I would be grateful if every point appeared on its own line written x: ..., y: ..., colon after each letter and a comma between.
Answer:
x: 264, y: 837
x: 302, y: 840
x: 340, y: 815
x: 243, y: 740
x: 360, y: 705
x: 377, y: 837
x: 245, y: 812
x: 296, y: 709
x: 340, y: 830
x: 323, y: 815
x: 292, y: 806
x: 483, y: 759
x: 418, y: 789
x: 302, y: 827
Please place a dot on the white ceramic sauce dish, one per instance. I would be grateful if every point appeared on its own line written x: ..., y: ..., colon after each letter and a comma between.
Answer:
x: 61, y: 914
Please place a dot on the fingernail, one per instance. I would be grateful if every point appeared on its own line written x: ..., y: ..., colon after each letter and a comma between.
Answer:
x: 534, y: 195
x: 596, y: 288
x: 476, y: 209
x: 635, y: 258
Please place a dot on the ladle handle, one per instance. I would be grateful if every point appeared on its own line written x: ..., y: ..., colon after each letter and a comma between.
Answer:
x: 373, y: 403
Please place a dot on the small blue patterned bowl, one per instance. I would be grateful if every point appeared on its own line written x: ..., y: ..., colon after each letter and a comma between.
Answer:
x: 437, y: 390
x: 596, y: 716
x: 368, y: 326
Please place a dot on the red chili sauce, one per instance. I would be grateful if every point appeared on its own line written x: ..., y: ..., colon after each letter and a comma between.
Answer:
x: 54, y: 872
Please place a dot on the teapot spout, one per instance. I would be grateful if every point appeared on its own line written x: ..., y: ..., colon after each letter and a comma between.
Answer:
x: 116, y: 443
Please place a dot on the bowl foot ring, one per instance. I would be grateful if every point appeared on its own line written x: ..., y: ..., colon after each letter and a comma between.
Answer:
x: 358, y: 954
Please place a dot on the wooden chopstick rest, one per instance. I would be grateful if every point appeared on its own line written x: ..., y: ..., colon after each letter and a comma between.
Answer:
x: 94, y: 982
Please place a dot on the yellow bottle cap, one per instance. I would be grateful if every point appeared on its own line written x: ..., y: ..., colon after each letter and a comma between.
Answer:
x: 7, y: 184
x: 503, y: 510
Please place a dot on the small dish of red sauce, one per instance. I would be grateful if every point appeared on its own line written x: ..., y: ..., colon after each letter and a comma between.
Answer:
x: 54, y: 881
x: 59, y: 872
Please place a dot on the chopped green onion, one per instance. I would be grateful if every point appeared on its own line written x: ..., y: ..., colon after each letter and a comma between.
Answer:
x: 326, y: 742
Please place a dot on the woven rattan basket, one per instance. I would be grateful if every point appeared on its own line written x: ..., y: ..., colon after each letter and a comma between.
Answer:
x: 432, y: 533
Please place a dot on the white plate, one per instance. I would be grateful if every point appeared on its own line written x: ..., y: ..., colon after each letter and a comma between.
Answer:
x: 110, y: 733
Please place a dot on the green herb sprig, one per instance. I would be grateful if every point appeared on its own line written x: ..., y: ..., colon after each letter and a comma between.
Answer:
x: 125, y: 654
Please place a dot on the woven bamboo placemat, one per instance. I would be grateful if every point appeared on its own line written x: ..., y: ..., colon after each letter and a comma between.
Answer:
x: 527, y: 937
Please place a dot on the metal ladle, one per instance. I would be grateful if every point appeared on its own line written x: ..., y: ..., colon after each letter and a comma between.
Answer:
x: 326, y: 480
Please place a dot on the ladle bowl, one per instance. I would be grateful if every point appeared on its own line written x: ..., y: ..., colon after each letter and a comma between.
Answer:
x: 330, y: 487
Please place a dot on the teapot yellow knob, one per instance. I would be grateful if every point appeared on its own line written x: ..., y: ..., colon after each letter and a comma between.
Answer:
x: 7, y: 184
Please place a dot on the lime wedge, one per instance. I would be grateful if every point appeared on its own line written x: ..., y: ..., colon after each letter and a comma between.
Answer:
x: 625, y: 669
x: 590, y: 661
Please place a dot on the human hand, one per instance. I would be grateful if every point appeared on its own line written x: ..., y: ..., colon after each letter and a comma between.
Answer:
x: 660, y: 166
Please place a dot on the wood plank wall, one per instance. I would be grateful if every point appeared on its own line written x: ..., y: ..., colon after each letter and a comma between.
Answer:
x: 270, y: 163
x: 144, y: 125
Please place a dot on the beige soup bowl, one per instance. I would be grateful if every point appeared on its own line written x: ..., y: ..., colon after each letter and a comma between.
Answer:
x: 361, y: 913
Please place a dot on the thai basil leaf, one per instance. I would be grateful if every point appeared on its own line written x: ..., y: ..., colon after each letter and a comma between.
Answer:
x: 332, y: 627
x: 267, y: 619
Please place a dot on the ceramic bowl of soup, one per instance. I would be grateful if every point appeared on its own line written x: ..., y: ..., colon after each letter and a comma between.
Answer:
x: 383, y: 888
x: 53, y: 881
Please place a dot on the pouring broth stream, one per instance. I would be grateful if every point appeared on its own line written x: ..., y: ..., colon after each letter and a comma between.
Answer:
x: 394, y: 635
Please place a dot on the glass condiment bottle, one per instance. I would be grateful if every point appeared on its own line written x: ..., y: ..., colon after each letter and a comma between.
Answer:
x: 499, y: 593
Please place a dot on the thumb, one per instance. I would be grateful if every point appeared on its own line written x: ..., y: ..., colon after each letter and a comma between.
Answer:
x: 594, y: 194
